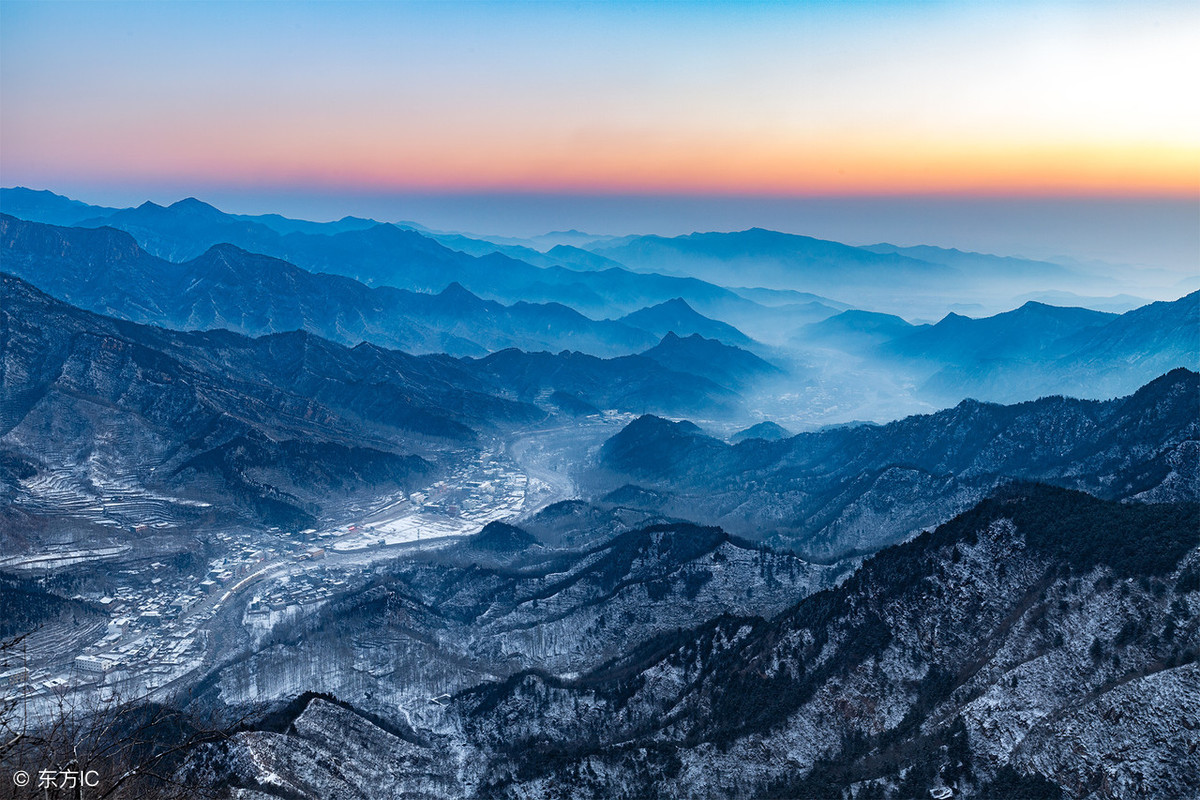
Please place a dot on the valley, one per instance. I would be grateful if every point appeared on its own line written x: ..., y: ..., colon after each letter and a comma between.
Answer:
x: 162, y: 632
x: 356, y: 508
x: 509, y: 400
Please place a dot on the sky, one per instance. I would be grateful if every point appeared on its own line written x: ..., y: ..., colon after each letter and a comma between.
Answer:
x: 378, y: 107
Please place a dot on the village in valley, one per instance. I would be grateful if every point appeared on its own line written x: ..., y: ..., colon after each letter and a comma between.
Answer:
x: 161, y: 623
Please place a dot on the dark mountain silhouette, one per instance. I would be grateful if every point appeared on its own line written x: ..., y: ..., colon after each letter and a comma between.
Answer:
x: 676, y: 316
x: 724, y: 364
x: 500, y: 537
x: 766, y: 430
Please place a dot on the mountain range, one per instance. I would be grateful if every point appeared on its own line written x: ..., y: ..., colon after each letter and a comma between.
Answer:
x: 1012, y: 652
x: 1039, y: 349
x: 503, y: 601
x: 382, y: 254
x: 1031, y: 351
x: 780, y: 260
x: 676, y: 316
x: 195, y: 422
x: 980, y: 265
x: 365, y: 509
x: 850, y: 489
x: 105, y: 271
x: 273, y: 424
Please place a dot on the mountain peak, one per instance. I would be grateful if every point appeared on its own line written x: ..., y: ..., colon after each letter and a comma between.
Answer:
x: 671, y: 337
x: 725, y: 364
x: 460, y: 296
x: 677, y: 316
x: 455, y: 289
x: 500, y: 537
x: 766, y: 430
x: 225, y: 249
x: 196, y: 208
x: 677, y: 304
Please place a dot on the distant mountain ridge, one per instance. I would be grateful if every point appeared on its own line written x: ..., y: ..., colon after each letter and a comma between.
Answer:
x: 1031, y: 351
x: 980, y: 264
x: 105, y: 271
x: 402, y: 256
x: 785, y: 260
x: 1034, y: 328
x: 765, y: 430
x: 854, y: 330
x: 46, y: 206
x: 676, y: 316
x: 1041, y: 349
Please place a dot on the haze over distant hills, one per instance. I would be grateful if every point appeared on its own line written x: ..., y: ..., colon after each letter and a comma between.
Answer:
x: 676, y: 316
x: 104, y: 270
x: 980, y: 265
x: 778, y: 259
x: 509, y: 269
x: 833, y: 492
x: 273, y: 425
x: 421, y: 513
x: 383, y: 254
x: 1003, y: 357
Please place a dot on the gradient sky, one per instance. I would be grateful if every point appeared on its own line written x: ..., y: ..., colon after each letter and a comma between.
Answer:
x: 122, y: 101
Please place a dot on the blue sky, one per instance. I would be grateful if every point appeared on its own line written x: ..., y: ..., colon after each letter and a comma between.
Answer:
x: 371, y: 102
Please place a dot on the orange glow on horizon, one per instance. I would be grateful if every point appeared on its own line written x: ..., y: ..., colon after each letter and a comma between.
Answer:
x: 778, y: 99
x: 724, y: 168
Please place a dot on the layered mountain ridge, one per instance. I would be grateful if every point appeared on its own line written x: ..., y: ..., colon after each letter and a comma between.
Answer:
x: 105, y: 271
x: 961, y: 659
x: 365, y: 509
x: 837, y: 491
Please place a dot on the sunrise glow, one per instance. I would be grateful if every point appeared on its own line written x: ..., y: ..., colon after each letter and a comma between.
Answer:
x: 772, y: 99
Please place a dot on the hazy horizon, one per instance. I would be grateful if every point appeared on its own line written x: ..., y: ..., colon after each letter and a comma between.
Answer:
x: 1159, y: 233
x: 1060, y: 131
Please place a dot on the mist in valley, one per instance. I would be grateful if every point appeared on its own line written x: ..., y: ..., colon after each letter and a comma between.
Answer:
x: 291, y: 485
